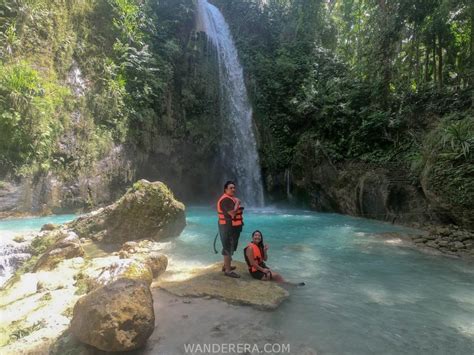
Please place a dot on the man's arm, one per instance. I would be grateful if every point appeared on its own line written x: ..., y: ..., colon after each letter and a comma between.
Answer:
x: 228, y: 206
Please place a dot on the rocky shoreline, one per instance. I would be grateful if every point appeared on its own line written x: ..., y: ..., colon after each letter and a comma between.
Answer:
x: 91, y: 285
x: 447, y: 240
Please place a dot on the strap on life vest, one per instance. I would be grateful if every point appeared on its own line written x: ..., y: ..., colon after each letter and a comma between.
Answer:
x: 237, y: 221
x: 257, y: 256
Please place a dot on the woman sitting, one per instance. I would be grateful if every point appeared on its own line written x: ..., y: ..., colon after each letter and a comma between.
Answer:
x: 255, y: 256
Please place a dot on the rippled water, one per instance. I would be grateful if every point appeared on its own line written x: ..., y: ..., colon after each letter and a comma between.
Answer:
x: 364, y: 294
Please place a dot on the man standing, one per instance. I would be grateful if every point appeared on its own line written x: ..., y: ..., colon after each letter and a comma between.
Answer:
x: 230, y: 222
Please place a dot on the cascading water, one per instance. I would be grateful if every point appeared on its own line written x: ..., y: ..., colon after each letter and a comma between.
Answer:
x: 238, y: 148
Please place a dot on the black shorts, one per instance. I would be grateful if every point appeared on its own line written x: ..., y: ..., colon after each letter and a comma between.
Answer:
x: 259, y: 275
x: 229, y: 239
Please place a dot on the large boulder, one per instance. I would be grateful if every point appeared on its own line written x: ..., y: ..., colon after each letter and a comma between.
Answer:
x: 147, y: 210
x: 115, y: 317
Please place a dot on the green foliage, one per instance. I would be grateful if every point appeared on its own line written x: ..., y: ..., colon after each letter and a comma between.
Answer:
x: 126, y: 63
x: 19, y: 333
x: 448, y: 159
x: 458, y: 137
x: 30, y: 120
x: 41, y: 243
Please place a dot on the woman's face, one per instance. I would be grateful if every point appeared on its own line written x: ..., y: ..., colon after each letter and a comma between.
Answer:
x: 257, y: 238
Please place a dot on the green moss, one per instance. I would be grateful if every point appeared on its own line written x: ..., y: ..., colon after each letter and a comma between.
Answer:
x: 454, y: 182
x: 19, y: 239
x: 18, y: 330
x: 139, y: 271
x: 26, y: 267
x: 41, y: 243
x: 82, y: 286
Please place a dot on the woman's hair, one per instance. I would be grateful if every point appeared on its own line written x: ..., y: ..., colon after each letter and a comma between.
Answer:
x: 260, y: 245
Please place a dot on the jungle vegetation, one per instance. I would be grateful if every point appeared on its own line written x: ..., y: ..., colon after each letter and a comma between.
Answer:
x: 378, y: 81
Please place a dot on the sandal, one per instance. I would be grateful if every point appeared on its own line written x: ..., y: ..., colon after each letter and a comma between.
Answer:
x: 232, y: 268
x: 232, y: 274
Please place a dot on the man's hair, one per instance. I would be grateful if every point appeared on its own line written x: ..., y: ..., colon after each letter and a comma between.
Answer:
x: 226, y: 185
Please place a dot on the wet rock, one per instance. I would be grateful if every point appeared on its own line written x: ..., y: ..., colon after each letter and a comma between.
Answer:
x: 65, y: 248
x: 115, y: 317
x: 145, y: 251
x: 147, y: 210
x: 156, y: 261
x: 419, y: 240
x: 465, y: 236
x: 210, y: 281
x: 459, y: 245
x: 432, y: 244
x: 49, y: 227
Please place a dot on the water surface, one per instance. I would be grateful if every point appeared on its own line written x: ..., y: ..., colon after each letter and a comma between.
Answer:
x: 364, y: 294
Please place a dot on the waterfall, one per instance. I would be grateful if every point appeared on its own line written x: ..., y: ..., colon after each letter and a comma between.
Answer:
x: 238, y: 147
x: 12, y: 255
x: 289, y: 196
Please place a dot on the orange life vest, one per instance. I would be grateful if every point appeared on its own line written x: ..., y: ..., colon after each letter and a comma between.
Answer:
x: 257, y: 256
x: 237, y: 221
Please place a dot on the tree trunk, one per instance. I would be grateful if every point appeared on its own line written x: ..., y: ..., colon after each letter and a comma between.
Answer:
x: 427, y: 64
x: 418, y: 73
x: 440, y: 64
x: 471, y: 77
x: 384, y: 50
x: 434, y: 60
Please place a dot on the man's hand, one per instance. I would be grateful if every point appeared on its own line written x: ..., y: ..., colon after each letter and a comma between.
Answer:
x: 237, y: 204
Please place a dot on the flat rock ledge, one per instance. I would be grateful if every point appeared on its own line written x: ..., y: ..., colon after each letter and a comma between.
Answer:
x: 211, y: 282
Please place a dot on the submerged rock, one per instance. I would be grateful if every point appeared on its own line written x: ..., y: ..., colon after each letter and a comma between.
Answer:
x: 115, y: 317
x: 147, y: 210
x: 49, y: 227
x: 211, y: 281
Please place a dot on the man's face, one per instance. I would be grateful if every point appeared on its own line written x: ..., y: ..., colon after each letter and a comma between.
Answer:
x: 230, y: 190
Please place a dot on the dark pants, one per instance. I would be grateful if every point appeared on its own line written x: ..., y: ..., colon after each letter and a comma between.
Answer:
x: 229, y: 238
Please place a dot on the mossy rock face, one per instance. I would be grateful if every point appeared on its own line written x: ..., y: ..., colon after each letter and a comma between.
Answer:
x: 147, y: 210
x: 449, y: 188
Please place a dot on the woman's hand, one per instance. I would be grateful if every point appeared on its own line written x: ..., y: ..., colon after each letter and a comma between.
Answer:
x: 265, y: 247
x: 265, y: 270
